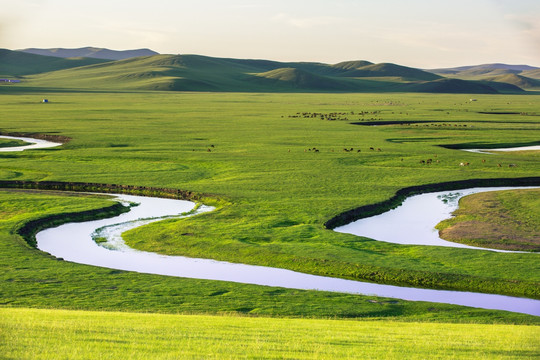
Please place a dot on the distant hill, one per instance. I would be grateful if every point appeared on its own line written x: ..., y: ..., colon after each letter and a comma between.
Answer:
x: 393, y: 70
x: 533, y: 74
x: 524, y: 76
x: 16, y: 64
x: 91, y: 52
x: 496, y: 66
x: 204, y: 73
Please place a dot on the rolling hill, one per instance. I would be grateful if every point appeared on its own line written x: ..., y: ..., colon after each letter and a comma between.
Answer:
x: 16, y: 64
x: 203, y: 73
x: 523, y: 76
x: 91, y: 52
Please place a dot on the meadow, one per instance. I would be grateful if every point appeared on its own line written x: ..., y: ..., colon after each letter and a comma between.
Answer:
x: 99, y: 335
x: 276, y: 174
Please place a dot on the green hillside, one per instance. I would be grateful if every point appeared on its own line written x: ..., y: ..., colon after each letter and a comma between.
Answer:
x: 203, y: 73
x: 534, y: 74
x: 387, y: 69
x: 496, y: 73
x: 16, y: 64
x: 300, y: 79
x: 518, y: 80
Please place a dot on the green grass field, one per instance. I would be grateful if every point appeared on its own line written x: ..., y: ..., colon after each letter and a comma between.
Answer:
x: 252, y: 151
x: 48, y: 334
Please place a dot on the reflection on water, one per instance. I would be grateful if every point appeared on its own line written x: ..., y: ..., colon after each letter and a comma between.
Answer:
x: 74, y: 242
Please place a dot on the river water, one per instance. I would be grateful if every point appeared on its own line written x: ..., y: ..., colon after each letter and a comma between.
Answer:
x: 413, y: 223
x: 33, y: 143
x: 75, y: 242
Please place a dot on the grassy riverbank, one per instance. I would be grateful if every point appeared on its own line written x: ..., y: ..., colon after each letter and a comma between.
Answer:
x: 503, y: 220
x: 46, y: 334
x: 256, y: 153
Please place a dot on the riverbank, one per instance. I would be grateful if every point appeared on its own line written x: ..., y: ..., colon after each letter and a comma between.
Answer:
x: 502, y: 220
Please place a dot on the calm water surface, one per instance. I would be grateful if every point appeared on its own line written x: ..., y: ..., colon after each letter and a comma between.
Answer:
x: 413, y: 223
x: 75, y: 242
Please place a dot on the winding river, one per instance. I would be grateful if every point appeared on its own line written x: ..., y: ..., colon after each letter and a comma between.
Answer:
x: 99, y: 243
x: 76, y: 242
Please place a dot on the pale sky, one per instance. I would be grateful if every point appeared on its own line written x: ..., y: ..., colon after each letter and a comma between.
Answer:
x: 418, y: 33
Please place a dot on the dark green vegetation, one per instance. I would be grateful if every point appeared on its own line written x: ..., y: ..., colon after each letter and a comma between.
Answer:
x: 257, y: 154
x: 502, y: 220
x: 11, y: 143
x: 202, y: 73
x: 52, y: 334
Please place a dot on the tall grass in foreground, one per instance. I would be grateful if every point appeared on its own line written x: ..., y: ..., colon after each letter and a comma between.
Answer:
x: 56, y: 334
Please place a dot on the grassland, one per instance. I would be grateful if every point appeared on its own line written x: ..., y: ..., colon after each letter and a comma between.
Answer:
x: 252, y: 151
x: 279, y: 193
x: 502, y: 220
x: 47, y: 334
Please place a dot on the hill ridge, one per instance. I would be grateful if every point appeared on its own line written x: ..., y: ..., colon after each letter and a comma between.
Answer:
x: 90, y: 52
x: 205, y: 73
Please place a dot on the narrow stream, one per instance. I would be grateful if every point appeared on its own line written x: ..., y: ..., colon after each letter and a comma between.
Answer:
x: 491, y: 151
x: 33, y: 143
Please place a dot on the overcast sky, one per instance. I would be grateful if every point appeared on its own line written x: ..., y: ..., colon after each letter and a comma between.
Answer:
x: 419, y: 33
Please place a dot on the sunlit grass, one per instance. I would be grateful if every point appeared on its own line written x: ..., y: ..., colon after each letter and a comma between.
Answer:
x: 54, y: 334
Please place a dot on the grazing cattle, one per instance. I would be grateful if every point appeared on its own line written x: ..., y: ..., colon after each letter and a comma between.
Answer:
x: 422, y: 162
x: 358, y: 150
x: 512, y: 165
x: 464, y: 164
x: 499, y: 165
x: 371, y: 148
x: 483, y: 160
x: 379, y: 149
